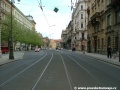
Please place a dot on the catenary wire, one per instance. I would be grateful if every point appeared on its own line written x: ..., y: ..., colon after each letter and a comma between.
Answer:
x: 40, y: 4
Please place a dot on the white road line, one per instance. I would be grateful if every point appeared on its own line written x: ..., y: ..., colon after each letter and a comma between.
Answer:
x: 85, y: 69
x: 22, y: 71
x: 42, y: 72
x: 67, y: 73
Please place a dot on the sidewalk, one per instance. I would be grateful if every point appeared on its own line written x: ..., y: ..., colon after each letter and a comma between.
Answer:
x: 5, y: 57
x: 103, y: 58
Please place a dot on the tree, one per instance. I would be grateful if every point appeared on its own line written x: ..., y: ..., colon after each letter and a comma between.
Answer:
x: 19, y: 32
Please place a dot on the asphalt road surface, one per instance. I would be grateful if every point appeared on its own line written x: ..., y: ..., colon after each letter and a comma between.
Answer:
x: 59, y: 70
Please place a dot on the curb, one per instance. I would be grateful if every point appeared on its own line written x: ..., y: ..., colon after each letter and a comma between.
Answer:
x: 10, y: 61
x: 101, y: 59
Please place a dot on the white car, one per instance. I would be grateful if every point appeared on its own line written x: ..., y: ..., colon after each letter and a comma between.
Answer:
x: 37, y: 49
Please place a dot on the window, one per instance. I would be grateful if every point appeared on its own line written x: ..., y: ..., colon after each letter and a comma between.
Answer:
x: 82, y: 35
x: 118, y: 17
x: 99, y: 43
x: 75, y: 38
x: 102, y: 43
x: 81, y: 16
x: 116, y: 43
x: 108, y: 20
x: 102, y: 5
x: 81, y: 7
x: 98, y: 27
x: 102, y: 24
x: 81, y: 24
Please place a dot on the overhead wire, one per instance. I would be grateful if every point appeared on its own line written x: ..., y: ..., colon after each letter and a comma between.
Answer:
x: 40, y: 5
x: 68, y: 18
x: 70, y: 12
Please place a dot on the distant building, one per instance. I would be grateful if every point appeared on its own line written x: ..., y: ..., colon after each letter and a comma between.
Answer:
x: 58, y: 43
x: 64, y: 38
x: 54, y: 43
x: 46, y: 42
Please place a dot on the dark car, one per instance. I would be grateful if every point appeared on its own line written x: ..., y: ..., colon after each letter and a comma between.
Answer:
x: 74, y: 49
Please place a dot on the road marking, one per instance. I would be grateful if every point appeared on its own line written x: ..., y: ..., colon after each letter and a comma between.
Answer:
x: 42, y: 73
x: 22, y: 71
x: 66, y: 73
x: 85, y: 69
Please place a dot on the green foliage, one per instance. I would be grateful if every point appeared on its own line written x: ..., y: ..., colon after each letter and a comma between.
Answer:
x: 19, y: 32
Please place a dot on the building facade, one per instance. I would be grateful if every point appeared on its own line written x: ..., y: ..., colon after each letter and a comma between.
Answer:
x: 103, y: 25
x: 113, y: 28
x: 96, y: 25
x: 64, y: 38
x: 25, y: 21
x: 80, y: 19
x: 52, y: 44
x: 46, y: 42
x: 69, y: 35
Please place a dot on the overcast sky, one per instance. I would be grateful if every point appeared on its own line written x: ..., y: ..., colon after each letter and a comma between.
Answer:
x: 50, y: 23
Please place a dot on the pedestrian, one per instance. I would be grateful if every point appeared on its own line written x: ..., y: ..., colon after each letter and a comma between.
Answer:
x: 74, y: 49
x: 109, y: 51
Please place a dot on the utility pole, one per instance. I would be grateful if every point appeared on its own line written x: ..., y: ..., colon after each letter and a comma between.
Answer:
x: 119, y: 45
x: 0, y: 28
x: 0, y: 37
x: 11, y: 54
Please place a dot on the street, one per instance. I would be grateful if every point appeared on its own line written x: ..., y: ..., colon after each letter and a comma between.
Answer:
x: 58, y: 70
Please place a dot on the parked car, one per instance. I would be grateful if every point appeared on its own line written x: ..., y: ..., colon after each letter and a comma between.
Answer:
x: 58, y: 48
x: 4, y: 49
x: 37, y: 49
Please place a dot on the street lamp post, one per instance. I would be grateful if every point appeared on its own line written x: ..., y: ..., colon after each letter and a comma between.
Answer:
x: 0, y: 35
x: 119, y: 37
x: 0, y: 32
x: 119, y: 45
x: 11, y: 55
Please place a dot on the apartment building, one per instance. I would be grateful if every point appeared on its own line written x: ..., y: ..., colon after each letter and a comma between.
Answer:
x: 80, y: 18
x: 69, y: 30
x: 19, y: 16
x: 64, y: 38
x: 113, y: 24
x: 25, y: 21
x: 46, y: 42
x: 96, y: 25
x: 52, y: 44
x: 103, y: 25
x: 55, y: 43
x: 58, y: 43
